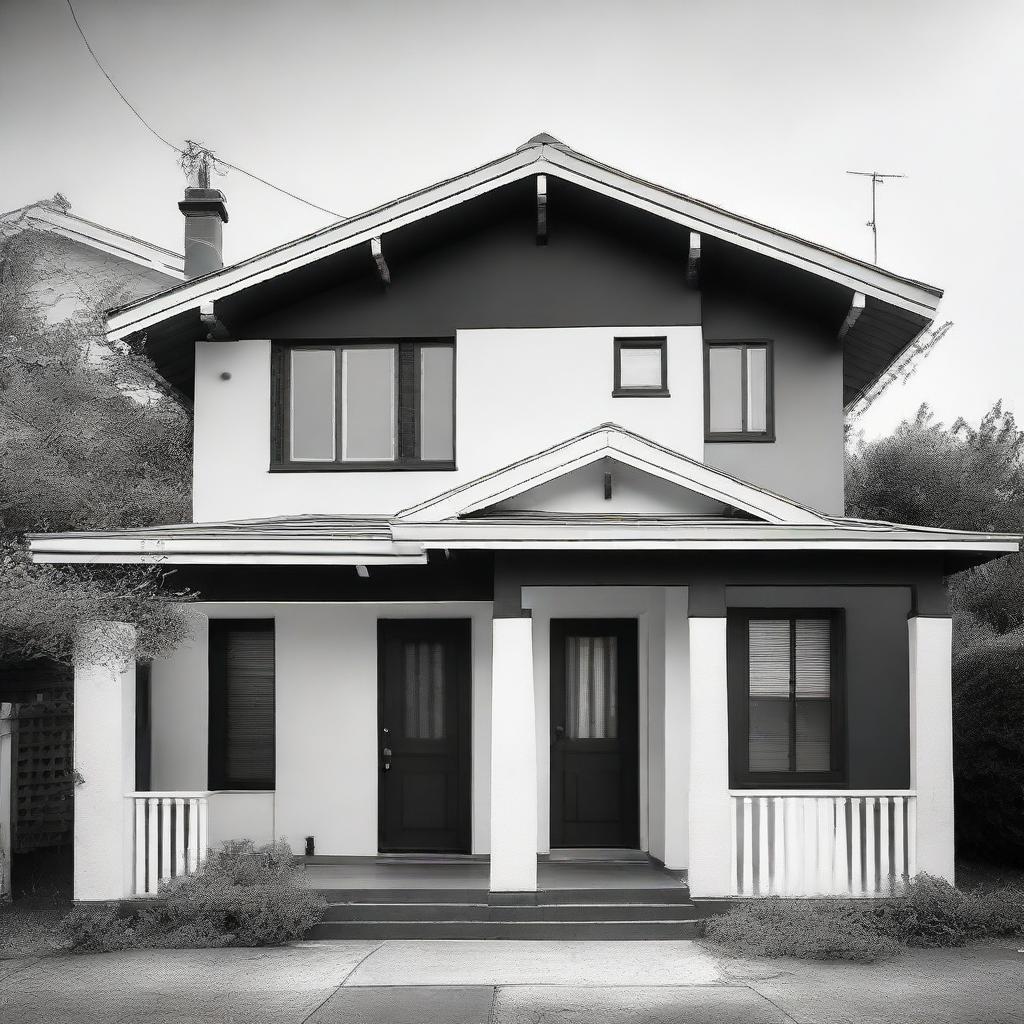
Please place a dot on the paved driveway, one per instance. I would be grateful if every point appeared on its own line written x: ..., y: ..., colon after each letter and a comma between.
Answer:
x: 503, y: 982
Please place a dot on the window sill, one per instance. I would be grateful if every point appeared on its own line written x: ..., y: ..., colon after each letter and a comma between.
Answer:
x: 807, y: 780
x: 362, y: 467
x: 767, y: 438
x: 641, y: 393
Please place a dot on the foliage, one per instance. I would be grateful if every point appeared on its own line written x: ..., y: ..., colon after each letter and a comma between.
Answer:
x: 88, y: 441
x: 988, y: 754
x: 930, y: 913
x: 830, y: 929
x: 241, y: 896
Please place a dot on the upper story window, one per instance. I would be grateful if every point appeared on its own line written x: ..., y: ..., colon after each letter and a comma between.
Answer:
x: 786, y: 684
x: 738, y: 391
x: 641, y: 368
x: 364, y: 405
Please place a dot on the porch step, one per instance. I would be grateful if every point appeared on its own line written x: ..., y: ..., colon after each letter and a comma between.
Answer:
x: 553, y: 897
x: 481, y: 912
x: 580, y: 930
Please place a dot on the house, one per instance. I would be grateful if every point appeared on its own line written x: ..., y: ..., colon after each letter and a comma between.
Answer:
x: 519, y: 528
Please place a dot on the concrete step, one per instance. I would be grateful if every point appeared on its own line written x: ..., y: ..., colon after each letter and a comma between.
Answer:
x: 530, y: 930
x: 548, y: 897
x: 482, y: 912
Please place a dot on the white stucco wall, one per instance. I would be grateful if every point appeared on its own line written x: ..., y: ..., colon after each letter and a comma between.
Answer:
x: 517, y: 392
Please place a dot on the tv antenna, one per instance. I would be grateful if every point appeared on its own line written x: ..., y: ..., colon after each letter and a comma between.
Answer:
x: 877, y: 178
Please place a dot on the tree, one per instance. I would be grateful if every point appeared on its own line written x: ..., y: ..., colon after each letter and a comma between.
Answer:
x: 89, y: 440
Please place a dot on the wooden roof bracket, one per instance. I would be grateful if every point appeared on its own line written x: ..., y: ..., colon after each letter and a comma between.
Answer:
x: 856, y: 308
x: 693, y: 261
x: 377, y: 251
x: 542, y: 209
x: 215, y: 328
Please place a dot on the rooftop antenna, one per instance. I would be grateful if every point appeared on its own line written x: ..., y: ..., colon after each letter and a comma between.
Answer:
x: 877, y: 178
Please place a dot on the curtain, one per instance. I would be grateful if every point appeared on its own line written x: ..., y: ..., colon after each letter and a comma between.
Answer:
x: 591, y: 687
x: 424, y: 690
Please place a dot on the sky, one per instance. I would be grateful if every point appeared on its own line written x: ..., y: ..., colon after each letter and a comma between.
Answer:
x: 758, y: 106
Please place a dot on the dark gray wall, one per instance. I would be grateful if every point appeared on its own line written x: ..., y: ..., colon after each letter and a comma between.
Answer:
x: 805, y: 462
x: 877, y: 672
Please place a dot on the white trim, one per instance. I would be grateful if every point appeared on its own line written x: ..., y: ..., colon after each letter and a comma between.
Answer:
x: 857, y: 305
x: 822, y: 792
x: 532, y: 159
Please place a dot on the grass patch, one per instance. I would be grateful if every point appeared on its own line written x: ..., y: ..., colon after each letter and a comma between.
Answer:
x: 930, y: 914
x: 241, y: 896
x: 27, y: 925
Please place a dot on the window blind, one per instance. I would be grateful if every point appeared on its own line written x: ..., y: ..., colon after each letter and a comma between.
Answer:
x: 591, y: 687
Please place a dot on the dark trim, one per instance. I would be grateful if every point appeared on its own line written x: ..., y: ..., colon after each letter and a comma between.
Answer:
x: 143, y: 725
x: 767, y: 436
x: 738, y: 674
x: 618, y: 391
x: 407, y: 400
x: 217, y: 777
x: 706, y: 601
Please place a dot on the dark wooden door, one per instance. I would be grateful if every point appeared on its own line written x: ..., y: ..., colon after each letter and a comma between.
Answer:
x: 424, y: 741
x: 595, y: 798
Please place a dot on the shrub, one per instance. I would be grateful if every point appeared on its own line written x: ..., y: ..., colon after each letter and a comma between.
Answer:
x: 810, y: 929
x: 988, y: 755
x: 242, y: 896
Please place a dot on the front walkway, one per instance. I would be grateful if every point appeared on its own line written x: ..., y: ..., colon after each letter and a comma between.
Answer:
x: 507, y: 982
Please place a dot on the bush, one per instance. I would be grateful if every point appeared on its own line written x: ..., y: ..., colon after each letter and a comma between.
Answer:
x: 242, y: 896
x: 988, y: 755
x: 830, y: 929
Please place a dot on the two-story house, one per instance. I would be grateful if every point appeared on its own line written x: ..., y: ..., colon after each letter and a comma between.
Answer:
x: 518, y: 528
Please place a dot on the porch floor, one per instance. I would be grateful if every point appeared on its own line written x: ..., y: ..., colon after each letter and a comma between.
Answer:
x: 560, y: 871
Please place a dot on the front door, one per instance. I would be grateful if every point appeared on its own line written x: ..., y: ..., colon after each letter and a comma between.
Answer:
x: 424, y: 741
x: 595, y: 799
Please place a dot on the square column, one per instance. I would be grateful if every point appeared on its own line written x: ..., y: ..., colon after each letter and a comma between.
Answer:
x: 710, y: 812
x: 931, y: 741
x: 513, y: 757
x: 677, y: 728
x: 105, y: 761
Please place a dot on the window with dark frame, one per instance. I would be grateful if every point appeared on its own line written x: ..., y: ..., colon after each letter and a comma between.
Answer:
x: 640, y: 368
x: 364, y: 405
x: 786, y: 698
x: 242, y: 682
x: 739, y: 403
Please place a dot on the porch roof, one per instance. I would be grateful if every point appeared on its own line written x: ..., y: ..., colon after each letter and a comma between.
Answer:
x: 360, y: 540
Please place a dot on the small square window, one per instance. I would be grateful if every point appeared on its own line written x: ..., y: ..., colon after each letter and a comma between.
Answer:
x: 641, y: 368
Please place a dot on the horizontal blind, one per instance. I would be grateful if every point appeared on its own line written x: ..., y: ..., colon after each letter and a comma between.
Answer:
x: 813, y: 692
x: 248, y: 695
x: 769, y: 738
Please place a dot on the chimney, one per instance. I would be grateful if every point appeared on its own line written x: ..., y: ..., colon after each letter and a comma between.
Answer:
x: 205, y: 215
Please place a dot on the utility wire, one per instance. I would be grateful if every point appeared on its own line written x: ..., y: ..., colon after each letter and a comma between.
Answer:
x: 177, y: 149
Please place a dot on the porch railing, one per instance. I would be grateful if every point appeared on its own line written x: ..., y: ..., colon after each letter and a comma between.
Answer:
x: 171, y: 836
x: 818, y: 843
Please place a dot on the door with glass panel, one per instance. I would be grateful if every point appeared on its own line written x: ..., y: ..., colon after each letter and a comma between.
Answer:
x: 424, y: 735
x: 595, y: 798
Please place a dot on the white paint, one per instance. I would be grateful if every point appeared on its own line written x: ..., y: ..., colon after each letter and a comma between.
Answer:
x: 513, y: 865
x: 326, y: 722
x: 710, y: 825
x: 566, y: 372
x: 931, y: 742
x: 676, y: 727
x: 104, y: 731
x: 238, y: 814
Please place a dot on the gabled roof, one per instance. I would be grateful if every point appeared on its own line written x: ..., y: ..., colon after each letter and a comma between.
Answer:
x: 540, y: 155
x: 608, y: 441
x: 53, y: 216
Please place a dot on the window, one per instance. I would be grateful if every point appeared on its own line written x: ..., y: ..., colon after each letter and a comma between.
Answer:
x: 364, y: 405
x: 641, y: 368
x: 241, y: 754
x: 738, y: 391
x: 786, y: 697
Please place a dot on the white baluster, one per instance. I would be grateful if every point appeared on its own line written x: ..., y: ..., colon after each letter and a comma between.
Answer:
x: 870, y: 884
x: 179, y: 836
x: 856, y: 849
x: 203, y: 828
x: 884, y: 868
x: 193, y: 834
x: 165, y: 841
x: 153, y: 846
x: 794, y: 845
x: 763, y: 873
x: 779, y: 874
x: 748, y: 848
x: 809, y: 883
x: 899, y: 863
x: 734, y: 846
x: 840, y: 862
x: 911, y: 836
x: 826, y: 839
x: 140, y: 846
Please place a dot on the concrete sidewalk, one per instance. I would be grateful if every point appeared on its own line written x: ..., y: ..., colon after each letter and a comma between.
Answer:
x: 399, y: 982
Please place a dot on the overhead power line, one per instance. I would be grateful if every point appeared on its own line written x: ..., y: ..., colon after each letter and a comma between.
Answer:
x: 178, y: 149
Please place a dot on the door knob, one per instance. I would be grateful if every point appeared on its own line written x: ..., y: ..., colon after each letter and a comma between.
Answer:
x: 559, y: 731
x: 387, y: 751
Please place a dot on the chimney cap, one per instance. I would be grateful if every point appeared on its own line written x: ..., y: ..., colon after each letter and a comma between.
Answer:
x: 204, y: 200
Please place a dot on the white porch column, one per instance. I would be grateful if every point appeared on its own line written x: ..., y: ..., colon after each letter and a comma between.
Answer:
x: 104, y: 760
x: 677, y: 728
x: 513, y: 757
x: 931, y: 741
x: 710, y: 832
